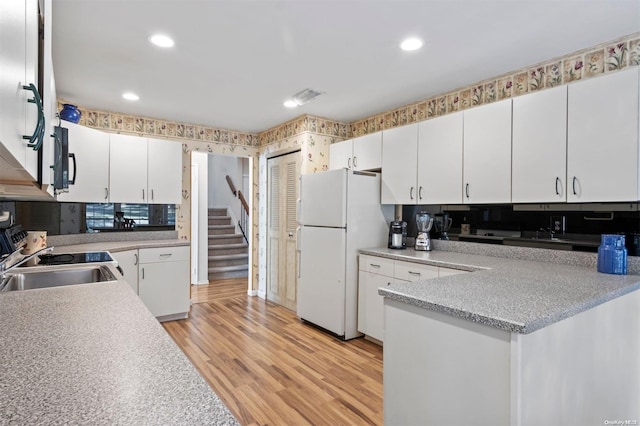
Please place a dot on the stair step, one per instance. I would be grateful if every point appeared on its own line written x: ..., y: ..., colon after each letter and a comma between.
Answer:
x: 215, y: 269
x: 219, y: 220
x: 229, y: 256
x: 221, y: 239
x: 218, y: 211
x: 221, y: 229
x: 238, y: 248
x: 229, y: 274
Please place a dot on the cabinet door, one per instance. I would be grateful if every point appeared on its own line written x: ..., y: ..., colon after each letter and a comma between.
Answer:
x: 602, y: 145
x: 540, y: 147
x: 164, y: 287
x: 127, y: 169
x: 371, y: 304
x: 487, y: 154
x: 164, y: 159
x: 440, y: 157
x: 340, y: 155
x: 91, y: 171
x: 128, y: 261
x: 400, y: 165
x: 367, y: 152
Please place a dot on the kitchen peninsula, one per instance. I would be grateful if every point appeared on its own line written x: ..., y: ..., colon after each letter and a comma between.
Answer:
x: 515, y: 341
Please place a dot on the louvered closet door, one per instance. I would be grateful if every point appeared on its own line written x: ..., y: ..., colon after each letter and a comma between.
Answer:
x: 283, y: 190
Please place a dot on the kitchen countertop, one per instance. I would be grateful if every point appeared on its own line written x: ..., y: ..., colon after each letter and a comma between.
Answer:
x: 520, y: 296
x: 93, y: 354
x: 116, y: 246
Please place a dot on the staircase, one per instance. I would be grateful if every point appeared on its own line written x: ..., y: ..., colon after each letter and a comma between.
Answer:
x: 228, y: 251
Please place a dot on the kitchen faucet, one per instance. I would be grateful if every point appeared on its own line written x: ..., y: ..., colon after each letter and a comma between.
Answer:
x: 16, y: 259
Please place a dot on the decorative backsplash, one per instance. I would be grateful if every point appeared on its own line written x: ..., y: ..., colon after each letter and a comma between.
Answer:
x: 586, y: 63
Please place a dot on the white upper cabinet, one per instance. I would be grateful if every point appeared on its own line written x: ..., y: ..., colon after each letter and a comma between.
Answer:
x: 440, y: 160
x: 487, y: 154
x: 90, y: 168
x: 128, y: 169
x: 400, y: 165
x: 539, y: 161
x: 361, y: 153
x: 18, y: 68
x: 602, y: 138
x: 164, y: 159
x: 340, y: 155
x: 367, y: 152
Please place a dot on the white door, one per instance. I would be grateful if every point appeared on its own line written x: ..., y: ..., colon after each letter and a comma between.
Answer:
x: 91, y: 166
x: 164, y: 178
x: 602, y: 138
x: 400, y: 165
x: 283, y: 186
x: 440, y: 160
x: 487, y: 154
x: 367, y: 152
x: 540, y: 147
x: 321, y: 286
x: 323, y: 199
x: 340, y: 155
x: 128, y: 169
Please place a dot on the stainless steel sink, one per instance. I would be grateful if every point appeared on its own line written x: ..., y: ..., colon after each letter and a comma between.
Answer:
x: 56, y: 278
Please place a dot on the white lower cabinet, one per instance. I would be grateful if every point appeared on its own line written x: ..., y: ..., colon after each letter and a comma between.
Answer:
x: 128, y: 261
x: 376, y: 272
x: 160, y: 276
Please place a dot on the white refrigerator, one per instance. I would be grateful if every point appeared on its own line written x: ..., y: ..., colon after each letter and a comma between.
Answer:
x: 339, y: 212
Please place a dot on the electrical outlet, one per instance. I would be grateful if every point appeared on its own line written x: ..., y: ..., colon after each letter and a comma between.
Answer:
x: 558, y: 224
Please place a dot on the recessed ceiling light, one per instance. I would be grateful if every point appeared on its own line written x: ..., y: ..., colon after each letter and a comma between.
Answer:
x: 290, y: 103
x: 161, y: 40
x: 411, y: 44
x: 130, y: 96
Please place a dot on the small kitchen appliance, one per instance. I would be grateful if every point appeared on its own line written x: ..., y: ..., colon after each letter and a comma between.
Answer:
x: 424, y: 222
x: 398, y: 235
x: 441, y: 224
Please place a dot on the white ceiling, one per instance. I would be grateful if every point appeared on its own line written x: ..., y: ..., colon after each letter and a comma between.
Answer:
x: 236, y: 61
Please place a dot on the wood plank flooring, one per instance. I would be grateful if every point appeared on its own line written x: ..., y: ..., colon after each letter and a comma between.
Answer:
x: 269, y: 368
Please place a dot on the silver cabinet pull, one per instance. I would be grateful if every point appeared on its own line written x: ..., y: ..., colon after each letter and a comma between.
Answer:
x: 411, y: 193
x: 414, y: 273
x: 165, y: 255
x: 143, y: 195
x: 574, y: 186
x: 152, y: 196
x: 106, y: 194
x: 355, y: 162
x: 373, y: 265
x: 557, y: 191
x: 135, y: 256
x: 420, y: 193
x: 466, y: 190
x: 143, y: 273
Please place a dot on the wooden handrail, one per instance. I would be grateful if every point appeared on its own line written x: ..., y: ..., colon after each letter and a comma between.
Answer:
x: 243, y: 201
x: 231, y: 185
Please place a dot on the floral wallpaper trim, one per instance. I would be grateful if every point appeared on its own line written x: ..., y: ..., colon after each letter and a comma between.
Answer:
x: 115, y: 122
x: 586, y: 63
x: 301, y: 125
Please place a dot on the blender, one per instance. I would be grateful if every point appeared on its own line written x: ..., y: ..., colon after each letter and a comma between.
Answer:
x: 424, y: 222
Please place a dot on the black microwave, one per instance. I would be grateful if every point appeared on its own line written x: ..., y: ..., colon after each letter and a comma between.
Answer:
x: 61, y: 179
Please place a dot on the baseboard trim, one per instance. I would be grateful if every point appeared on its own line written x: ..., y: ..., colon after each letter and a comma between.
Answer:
x: 252, y: 293
x: 262, y: 294
x: 204, y: 282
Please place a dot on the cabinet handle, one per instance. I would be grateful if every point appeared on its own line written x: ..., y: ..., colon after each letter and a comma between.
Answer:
x: 135, y: 256
x: 420, y: 193
x: 143, y: 195
x: 574, y: 185
x: 152, y: 196
x: 466, y: 190
x: 414, y: 273
x: 355, y: 161
x: 165, y: 255
x: 72, y: 181
x: 349, y: 162
x: 35, y: 140
x: 106, y: 194
x: 143, y: 273
x: 557, y: 181
x: 373, y: 265
x: 411, y: 193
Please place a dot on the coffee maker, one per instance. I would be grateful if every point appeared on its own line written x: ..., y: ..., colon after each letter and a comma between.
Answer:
x: 424, y: 222
x: 398, y: 235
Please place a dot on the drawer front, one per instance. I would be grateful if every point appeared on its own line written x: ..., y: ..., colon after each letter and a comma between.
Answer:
x: 164, y: 254
x: 376, y: 265
x: 414, y: 271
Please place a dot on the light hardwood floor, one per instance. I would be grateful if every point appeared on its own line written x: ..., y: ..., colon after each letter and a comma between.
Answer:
x: 271, y: 369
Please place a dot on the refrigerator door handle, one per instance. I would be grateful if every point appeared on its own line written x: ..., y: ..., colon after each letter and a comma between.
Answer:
x: 298, y: 249
x: 299, y: 207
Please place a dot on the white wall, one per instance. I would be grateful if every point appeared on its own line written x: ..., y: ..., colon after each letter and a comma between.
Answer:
x: 202, y: 160
x: 219, y: 193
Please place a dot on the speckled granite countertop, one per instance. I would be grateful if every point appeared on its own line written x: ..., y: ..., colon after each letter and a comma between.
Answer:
x: 116, y: 246
x: 93, y: 354
x: 520, y: 296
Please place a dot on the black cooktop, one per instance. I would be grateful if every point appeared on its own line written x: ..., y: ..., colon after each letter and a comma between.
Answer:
x: 72, y: 258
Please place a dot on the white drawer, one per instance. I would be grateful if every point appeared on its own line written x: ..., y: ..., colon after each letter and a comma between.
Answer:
x: 164, y: 254
x: 376, y: 265
x: 414, y: 271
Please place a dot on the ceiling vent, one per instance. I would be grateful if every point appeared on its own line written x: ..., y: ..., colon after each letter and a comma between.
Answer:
x: 307, y: 95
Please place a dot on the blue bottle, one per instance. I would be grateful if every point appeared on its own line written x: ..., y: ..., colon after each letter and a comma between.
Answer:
x: 612, y: 254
